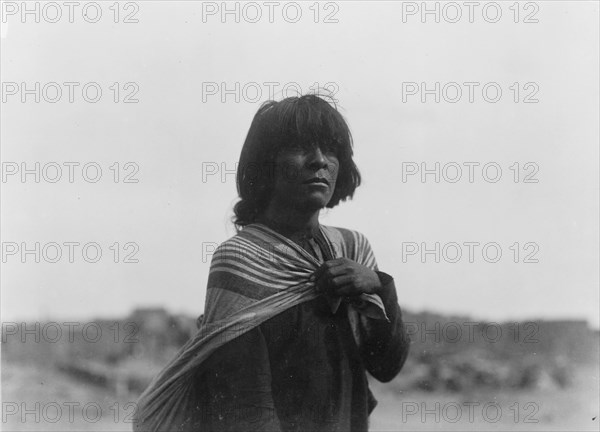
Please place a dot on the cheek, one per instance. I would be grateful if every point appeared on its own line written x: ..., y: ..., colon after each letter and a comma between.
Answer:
x: 335, y: 169
x: 289, y: 170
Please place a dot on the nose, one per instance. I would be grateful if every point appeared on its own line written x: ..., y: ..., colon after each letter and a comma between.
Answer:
x: 317, y: 159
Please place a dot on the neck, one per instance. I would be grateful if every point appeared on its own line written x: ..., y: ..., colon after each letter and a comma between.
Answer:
x: 290, y: 222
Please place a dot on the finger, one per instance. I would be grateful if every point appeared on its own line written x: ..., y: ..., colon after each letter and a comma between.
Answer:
x: 319, y: 272
x: 339, y: 270
x: 326, y: 266
x: 338, y: 267
x: 336, y: 262
x: 339, y: 281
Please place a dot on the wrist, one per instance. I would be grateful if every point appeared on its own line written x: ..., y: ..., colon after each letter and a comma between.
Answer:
x: 377, y: 284
x: 384, y: 281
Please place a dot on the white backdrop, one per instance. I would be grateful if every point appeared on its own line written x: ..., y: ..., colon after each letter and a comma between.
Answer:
x: 186, y: 64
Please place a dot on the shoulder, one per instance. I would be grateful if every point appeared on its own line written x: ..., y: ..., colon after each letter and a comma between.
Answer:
x: 230, y: 243
x: 251, y: 244
x: 351, y: 243
x: 350, y: 237
x: 234, y: 247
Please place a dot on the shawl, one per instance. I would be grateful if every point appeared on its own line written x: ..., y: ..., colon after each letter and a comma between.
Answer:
x: 254, y: 276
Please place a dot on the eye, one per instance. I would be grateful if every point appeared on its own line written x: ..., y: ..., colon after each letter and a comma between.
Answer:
x: 329, y: 147
x: 297, y: 148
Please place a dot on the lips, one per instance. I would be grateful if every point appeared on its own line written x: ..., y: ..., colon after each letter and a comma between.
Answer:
x: 317, y: 180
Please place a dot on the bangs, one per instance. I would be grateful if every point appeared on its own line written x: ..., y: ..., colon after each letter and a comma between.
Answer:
x: 309, y: 121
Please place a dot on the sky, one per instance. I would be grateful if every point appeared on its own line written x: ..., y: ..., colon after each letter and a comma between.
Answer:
x: 516, y: 116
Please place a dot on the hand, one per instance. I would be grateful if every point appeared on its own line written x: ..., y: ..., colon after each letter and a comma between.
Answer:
x: 344, y: 277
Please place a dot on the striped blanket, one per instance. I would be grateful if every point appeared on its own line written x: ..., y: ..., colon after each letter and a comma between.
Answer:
x: 254, y: 276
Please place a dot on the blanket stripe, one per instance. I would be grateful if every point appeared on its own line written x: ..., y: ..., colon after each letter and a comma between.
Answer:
x: 254, y: 276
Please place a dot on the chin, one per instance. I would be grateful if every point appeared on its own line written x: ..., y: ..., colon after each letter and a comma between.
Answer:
x: 315, y: 204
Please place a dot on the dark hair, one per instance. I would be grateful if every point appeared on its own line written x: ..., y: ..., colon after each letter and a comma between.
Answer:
x: 304, y: 120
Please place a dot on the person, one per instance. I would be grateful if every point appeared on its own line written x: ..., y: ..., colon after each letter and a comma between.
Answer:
x: 296, y: 312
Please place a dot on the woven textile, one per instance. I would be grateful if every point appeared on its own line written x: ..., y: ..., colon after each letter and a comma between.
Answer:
x: 254, y: 276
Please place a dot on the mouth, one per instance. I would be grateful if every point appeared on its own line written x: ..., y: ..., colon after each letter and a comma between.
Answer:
x: 317, y: 180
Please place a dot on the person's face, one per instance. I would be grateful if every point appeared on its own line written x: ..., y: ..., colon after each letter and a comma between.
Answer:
x: 305, y: 176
